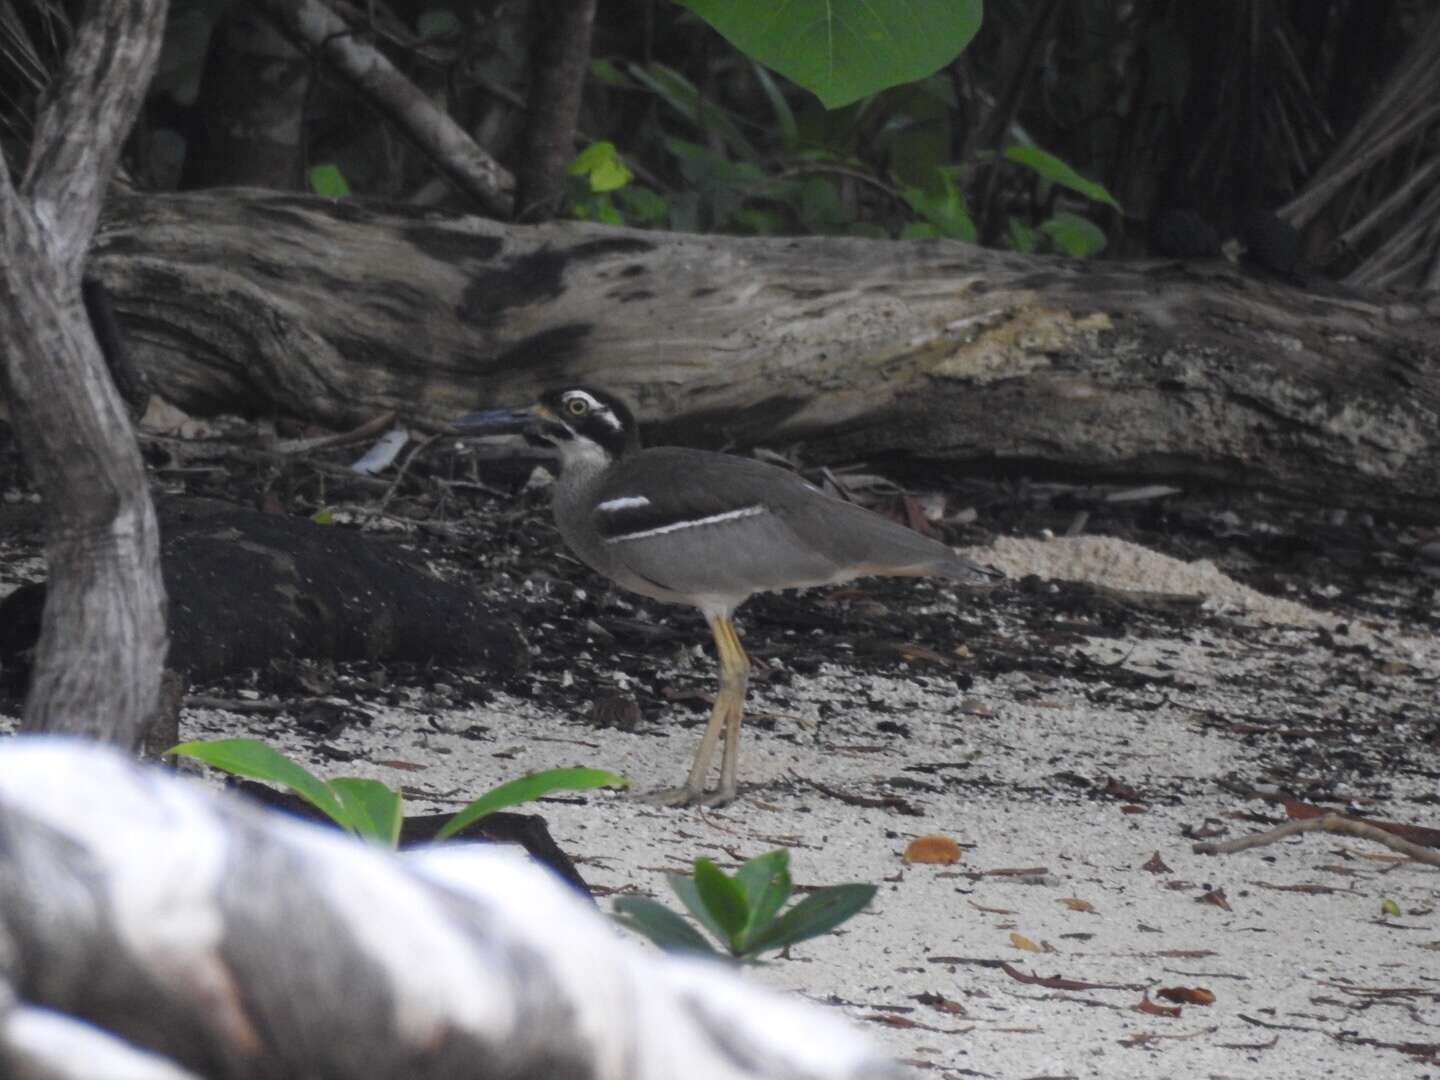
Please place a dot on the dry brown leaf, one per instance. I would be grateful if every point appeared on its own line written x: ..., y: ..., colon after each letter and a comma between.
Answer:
x: 1215, y: 897
x: 1186, y: 995
x: 1020, y: 941
x: 940, y: 1003
x: 1148, y: 1006
x: 1156, y: 865
x: 932, y: 849
x: 1074, y: 903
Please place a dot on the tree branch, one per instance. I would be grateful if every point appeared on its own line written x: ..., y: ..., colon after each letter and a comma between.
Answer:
x: 313, y: 25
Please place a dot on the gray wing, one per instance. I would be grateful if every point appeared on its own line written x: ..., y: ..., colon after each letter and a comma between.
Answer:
x: 702, y: 523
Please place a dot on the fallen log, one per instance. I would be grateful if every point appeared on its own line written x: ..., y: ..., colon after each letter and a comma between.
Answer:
x: 1187, y: 373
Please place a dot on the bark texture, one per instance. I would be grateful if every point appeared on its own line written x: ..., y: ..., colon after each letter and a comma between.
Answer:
x: 251, y: 105
x: 559, y: 62
x: 1193, y: 373
x: 103, y: 638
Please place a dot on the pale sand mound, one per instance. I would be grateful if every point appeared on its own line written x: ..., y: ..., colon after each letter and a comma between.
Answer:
x: 1119, y: 564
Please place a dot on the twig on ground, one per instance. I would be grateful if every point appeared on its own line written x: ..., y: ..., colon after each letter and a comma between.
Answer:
x: 1330, y: 823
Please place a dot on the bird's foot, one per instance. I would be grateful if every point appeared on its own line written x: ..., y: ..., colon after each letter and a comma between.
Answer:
x: 685, y: 796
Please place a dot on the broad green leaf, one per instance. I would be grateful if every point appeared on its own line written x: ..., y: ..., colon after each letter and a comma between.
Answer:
x: 1390, y: 907
x: 252, y: 758
x: 600, y: 164
x: 527, y: 788
x: 843, y: 50
x: 819, y: 913
x: 372, y: 809
x: 944, y: 208
x: 655, y: 921
x: 723, y: 898
x: 765, y: 882
x: 323, y: 516
x: 643, y: 206
x: 1074, y: 235
x: 607, y: 214
x: 689, y: 894
x: 327, y: 180
x: 1051, y: 168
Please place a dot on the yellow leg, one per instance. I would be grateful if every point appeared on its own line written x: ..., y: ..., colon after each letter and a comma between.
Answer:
x: 725, y: 719
x: 734, y: 680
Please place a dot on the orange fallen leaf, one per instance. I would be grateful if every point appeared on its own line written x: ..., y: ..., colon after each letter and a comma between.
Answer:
x: 1020, y: 941
x: 1074, y: 903
x: 1148, y: 1006
x: 1187, y: 995
x: 932, y: 849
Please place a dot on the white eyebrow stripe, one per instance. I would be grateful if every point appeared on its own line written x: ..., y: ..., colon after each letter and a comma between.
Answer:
x: 693, y: 523
x: 624, y: 502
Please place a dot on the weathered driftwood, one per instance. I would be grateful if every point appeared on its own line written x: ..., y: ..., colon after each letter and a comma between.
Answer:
x: 1187, y: 373
x: 228, y: 941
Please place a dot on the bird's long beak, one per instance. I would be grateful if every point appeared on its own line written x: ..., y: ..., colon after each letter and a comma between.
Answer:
x: 496, y: 422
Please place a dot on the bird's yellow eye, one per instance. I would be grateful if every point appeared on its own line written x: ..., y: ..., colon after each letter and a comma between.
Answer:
x: 577, y: 406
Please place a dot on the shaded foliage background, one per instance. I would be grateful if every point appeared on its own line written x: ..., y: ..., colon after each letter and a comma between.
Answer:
x: 1324, y: 110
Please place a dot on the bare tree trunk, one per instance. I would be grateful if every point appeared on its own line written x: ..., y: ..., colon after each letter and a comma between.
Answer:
x: 251, y: 105
x: 559, y: 62
x: 102, y: 644
x: 1192, y: 373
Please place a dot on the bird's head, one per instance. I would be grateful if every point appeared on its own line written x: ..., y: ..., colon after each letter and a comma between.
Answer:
x: 582, y: 423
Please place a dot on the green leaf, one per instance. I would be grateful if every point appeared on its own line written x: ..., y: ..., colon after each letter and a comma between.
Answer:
x: 323, y: 516
x: 1074, y: 235
x: 600, y: 164
x: 819, y: 913
x: 252, y: 758
x: 689, y: 894
x: 372, y: 808
x: 1051, y: 168
x: 527, y: 788
x: 643, y: 206
x: 605, y: 71
x: 723, y: 898
x: 1022, y: 236
x: 765, y: 883
x: 944, y: 208
x: 1390, y: 907
x: 843, y: 50
x: 327, y: 180
x: 666, y: 929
